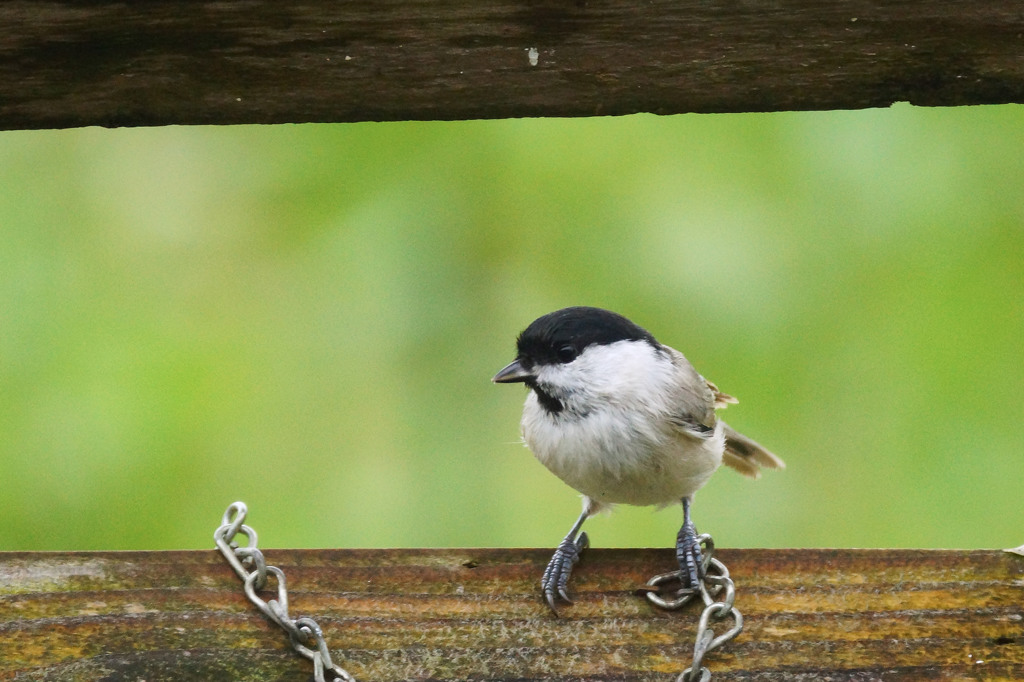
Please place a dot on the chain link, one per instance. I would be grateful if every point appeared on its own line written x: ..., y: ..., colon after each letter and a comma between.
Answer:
x: 716, y: 583
x: 248, y: 562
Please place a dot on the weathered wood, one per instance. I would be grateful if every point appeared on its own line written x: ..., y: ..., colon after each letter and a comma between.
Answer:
x: 475, y: 614
x: 159, y: 62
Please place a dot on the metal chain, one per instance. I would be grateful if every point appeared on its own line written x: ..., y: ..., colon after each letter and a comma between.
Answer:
x: 306, y: 636
x: 716, y: 583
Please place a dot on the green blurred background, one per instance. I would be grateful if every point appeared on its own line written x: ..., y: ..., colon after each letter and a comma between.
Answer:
x: 307, y: 318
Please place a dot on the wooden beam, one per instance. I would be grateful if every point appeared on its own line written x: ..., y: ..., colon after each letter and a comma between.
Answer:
x: 161, y: 62
x: 463, y: 614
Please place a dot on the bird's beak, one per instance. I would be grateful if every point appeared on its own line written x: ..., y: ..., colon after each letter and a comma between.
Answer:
x: 512, y: 373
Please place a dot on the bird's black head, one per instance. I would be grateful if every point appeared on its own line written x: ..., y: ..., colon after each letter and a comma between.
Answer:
x: 560, y: 337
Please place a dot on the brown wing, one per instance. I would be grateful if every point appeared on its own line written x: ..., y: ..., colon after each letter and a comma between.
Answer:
x: 695, y: 400
x: 698, y: 399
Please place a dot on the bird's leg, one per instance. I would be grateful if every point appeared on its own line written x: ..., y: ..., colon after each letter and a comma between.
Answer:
x: 556, y: 575
x: 688, y: 554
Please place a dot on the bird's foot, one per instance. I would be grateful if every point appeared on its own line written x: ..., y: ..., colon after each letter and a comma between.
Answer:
x: 556, y: 575
x: 675, y: 590
x: 689, y: 556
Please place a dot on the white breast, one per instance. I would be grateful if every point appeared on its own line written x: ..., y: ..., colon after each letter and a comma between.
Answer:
x: 614, y: 441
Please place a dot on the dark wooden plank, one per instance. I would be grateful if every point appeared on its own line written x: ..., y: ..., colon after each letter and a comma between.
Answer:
x: 160, y: 62
x: 475, y: 614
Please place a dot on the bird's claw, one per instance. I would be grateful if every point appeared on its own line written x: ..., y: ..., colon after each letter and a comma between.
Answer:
x: 699, y: 574
x: 556, y: 576
x: 689, y: 556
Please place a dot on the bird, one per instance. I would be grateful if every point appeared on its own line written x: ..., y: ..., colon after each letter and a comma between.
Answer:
x: 623, y: 419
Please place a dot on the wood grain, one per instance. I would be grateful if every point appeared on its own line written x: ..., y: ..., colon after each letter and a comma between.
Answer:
x: 468, y: 614
x: 162, y: 62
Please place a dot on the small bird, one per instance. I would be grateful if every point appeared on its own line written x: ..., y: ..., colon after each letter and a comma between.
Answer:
x: 622, y: 419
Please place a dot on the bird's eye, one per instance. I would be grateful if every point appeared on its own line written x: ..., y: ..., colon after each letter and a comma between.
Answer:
x: 566, y: 354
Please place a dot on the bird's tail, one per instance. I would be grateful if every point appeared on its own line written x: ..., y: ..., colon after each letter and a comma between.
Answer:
x: 747, y: 456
